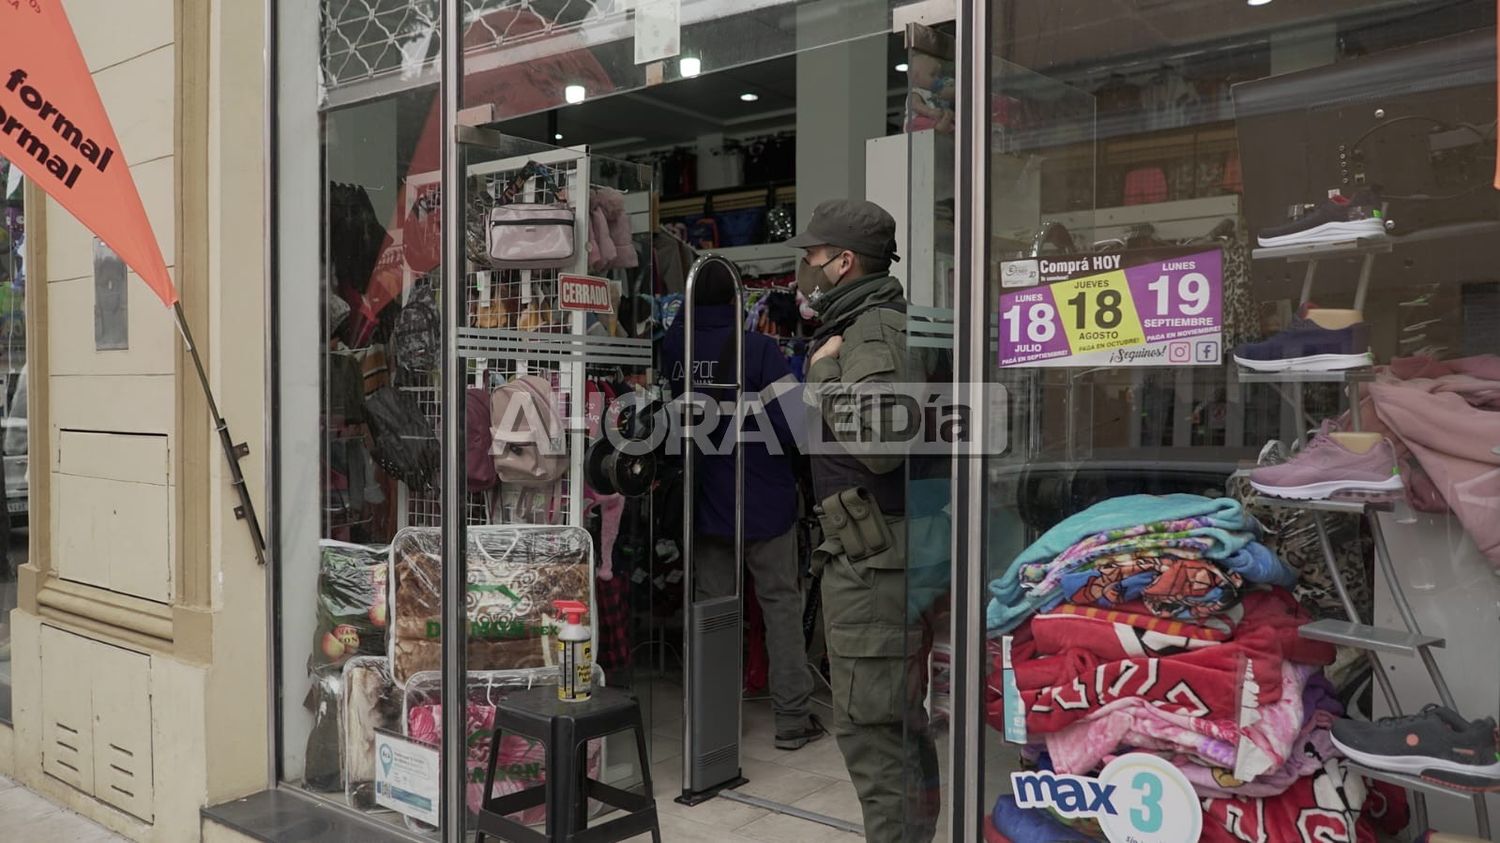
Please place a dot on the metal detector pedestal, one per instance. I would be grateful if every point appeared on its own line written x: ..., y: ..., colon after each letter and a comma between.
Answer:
x: 712, y: 639
x: 711, y: 686
x: 711, y: 699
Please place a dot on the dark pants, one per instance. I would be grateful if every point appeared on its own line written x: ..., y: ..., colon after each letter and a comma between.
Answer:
x: 877, y: 656
x: 773, y: 563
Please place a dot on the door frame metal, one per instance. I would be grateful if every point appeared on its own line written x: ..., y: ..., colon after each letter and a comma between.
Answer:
x: 454, y: 528
x: 971, y: 261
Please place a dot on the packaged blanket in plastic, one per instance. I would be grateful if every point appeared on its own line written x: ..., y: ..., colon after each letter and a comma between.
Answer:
x: 515, y: 576
x: 522, y: 763
x: 352, y: 603
x: 371, y: 701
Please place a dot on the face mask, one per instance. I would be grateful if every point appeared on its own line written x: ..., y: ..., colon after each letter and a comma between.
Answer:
x: 811, y: 279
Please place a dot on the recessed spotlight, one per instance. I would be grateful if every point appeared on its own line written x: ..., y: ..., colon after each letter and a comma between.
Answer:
x: 557, y: 136
x: 574, y: 93
x: 1258, y: 2
x: 749, y: 97
x: 901, y: 68
x: 689, y: 67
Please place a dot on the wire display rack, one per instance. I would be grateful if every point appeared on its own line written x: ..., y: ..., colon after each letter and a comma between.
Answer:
x: 516, y: 326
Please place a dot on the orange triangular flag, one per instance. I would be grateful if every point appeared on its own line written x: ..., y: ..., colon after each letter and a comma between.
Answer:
x: 53, y: 127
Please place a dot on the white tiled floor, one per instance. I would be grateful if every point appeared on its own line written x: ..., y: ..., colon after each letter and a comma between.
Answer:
x: 25, y: 816
x: 813, y: 778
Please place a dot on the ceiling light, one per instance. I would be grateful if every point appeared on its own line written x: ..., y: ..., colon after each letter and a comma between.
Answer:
x: 749, y: 97
x: 1257, y: 2
x: 901, y: 68
x: 557, y: 136
x: 689, y: 67
x: 574, y: 93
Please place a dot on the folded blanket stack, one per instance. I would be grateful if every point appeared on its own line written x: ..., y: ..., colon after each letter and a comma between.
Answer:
x: 1184, y: 556
x: 1162, y: 624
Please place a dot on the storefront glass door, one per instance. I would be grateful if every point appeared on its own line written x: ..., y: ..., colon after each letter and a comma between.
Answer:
x: 363, y: 290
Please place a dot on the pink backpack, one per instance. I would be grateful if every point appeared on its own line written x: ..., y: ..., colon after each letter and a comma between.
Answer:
x: 530, y: 445
x: 479, y: 439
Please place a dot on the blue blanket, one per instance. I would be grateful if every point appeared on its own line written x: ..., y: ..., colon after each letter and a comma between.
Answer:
x: 1230, y: 527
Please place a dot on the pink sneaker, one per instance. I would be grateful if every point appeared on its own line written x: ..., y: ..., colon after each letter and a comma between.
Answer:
x: 1325, y: 468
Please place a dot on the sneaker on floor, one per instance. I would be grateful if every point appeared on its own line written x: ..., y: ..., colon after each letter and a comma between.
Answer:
x: 801, y: 737
x: 1325, y: 467
x: 1436, y: 744
x: 1306, y: 346
x: 1335, y: 219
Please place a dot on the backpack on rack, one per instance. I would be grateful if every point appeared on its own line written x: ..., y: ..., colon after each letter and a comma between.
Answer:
x: 530, y: 447
x: 346, y: 391
x: 416, y: 340
x: 405, y: 442
x: 479, y: 466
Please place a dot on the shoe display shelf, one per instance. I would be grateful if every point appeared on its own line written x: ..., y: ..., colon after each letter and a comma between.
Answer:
x: 1367, y: 248
x: 1363, y: 375
x: 1374, y: 640
x: 1289, y: 385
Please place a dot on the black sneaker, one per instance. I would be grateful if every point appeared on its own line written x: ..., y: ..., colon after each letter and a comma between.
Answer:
x: 1437, y: 744
x: 1337, y: 218
x: 790, y: 741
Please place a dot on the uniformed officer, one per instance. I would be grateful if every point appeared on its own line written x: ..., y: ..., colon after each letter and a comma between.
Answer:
x: 877, y: 645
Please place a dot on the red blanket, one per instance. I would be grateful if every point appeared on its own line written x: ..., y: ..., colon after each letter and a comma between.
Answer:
x: 1067, y: 679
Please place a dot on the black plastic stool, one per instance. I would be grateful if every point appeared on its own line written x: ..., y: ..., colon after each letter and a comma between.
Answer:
x: 566, y: 728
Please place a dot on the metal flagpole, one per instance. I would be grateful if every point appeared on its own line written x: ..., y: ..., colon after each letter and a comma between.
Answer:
x: 232, y: 453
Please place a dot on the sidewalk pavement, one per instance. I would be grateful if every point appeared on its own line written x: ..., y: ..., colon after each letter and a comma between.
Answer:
x: 26, y: 817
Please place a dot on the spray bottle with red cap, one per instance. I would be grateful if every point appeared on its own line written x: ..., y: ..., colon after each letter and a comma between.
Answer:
x: 575, y: 653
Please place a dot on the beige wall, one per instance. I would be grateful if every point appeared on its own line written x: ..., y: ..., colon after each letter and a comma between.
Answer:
x: 139, y: 571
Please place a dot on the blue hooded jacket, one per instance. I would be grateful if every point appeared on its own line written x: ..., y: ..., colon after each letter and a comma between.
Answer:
x: 770, y: 495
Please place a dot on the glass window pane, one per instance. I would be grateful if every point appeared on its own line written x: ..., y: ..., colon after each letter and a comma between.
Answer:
x: 360, y: 333
x: 1226, y: 247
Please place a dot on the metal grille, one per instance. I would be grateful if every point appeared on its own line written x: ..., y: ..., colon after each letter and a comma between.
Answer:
x: 364, y: 40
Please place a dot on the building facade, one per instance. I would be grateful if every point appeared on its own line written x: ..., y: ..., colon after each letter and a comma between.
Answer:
x: 1198, y: 268
x: 138, y: 646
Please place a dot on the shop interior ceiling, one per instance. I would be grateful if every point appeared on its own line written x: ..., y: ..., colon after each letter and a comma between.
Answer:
x: 1066, y: 37
x: 678, y: 113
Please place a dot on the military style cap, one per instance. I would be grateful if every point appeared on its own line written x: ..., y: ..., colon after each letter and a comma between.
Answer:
x: 861, y: 227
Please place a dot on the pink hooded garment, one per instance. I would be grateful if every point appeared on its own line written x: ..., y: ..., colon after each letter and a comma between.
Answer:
x: 1446, y: 416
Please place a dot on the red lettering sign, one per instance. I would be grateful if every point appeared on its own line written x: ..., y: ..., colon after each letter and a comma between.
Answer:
x: 584, y: 292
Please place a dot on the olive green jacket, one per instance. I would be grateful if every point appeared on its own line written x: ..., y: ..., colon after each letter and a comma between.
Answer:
x: 870, y: 314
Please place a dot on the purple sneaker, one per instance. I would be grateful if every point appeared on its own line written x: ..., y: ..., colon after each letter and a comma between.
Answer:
x: 1325, y: 468
x: 1306, y: 346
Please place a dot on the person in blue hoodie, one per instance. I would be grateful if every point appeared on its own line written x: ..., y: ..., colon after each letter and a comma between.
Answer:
x: 769, y: 499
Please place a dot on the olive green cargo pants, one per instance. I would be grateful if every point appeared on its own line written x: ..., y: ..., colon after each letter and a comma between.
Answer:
x: 878, y: 664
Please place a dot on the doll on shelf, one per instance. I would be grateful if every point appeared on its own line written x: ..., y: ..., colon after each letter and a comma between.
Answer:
x: 930, y: 103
